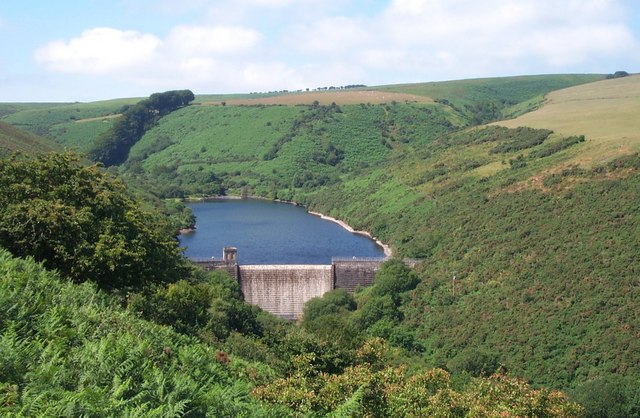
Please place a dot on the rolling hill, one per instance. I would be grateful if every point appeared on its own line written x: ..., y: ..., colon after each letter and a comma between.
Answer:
x: 69, y: 124
x: 605, y: 112
x: 521, y: 194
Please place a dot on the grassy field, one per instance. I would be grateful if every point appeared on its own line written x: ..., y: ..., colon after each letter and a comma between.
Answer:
x: 60, y: 121
x: 508, y: 91
x: 606, y: 112
x: 340, y: 97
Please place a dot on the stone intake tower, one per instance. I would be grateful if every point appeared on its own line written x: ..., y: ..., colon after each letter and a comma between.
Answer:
x: 283, y: 289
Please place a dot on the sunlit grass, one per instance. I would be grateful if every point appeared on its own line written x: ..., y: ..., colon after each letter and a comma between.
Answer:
x: 606, y: 112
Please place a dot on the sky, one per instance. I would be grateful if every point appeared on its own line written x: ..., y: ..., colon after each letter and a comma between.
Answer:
x: 88, y: 50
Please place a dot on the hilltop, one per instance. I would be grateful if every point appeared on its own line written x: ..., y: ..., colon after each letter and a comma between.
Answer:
x: 605, y: 112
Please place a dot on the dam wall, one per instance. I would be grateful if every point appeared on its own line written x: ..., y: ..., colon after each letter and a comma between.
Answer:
x: 209, y: 265
x: 351, y: 273
x: 283, y: 289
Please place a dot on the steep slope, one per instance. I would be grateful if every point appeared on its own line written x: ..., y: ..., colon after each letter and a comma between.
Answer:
x: 530, y: 260
x: 277, y: 151
x: 15, y: 140
x: 71, y: 350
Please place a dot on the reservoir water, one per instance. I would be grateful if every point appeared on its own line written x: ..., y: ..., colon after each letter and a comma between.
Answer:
x: 271, y: 233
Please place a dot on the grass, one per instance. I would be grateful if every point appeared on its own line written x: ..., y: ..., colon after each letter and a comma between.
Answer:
x: 606, y: 112
x: 510, y: 90
x: 80, y: 134
x: 340, y: 97
x: 57, y: 121
x: 216, y: 134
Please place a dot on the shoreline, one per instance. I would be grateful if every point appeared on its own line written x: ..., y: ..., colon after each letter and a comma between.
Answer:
x: 385, y: 248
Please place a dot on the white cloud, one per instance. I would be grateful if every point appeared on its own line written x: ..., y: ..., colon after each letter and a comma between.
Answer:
x: 98, y: 51
x: 199, y: 40
x: 466, y: 38
x: 188, y: 56
x: 236, y: 45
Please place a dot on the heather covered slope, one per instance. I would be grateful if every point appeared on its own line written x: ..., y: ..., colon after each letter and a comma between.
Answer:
x: 14, y: 140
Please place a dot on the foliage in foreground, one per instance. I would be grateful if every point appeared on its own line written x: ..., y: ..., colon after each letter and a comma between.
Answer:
x: 371, y: 389
x: 82, y: 222
x: 69, y: 350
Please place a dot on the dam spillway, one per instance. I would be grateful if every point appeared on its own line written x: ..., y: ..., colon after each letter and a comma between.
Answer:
x: 283, y: 289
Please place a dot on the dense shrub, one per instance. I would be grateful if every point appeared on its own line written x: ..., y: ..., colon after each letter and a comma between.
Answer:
x: 82, y: 222
x: 70, y: 350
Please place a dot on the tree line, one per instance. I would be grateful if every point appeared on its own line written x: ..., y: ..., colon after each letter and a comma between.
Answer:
x: 112, y: 147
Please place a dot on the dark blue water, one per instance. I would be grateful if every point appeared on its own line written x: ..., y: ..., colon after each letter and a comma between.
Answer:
x: 271, y: 233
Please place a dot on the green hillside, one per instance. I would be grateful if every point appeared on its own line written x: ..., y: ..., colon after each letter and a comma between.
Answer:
x: 528, y: 226
x: 69, y: 350
x: 509, y: 95
x: 278, y: 149
x: 170, y: 341
x: 15, y: 140
x: 69, y: 124
x: 77, y: 353
x: 497, y: 208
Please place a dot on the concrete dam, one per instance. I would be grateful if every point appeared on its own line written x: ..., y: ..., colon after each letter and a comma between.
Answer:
x: 283, y: 289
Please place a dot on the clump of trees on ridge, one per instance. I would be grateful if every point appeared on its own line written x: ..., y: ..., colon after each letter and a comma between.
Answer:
x: 112, y: 147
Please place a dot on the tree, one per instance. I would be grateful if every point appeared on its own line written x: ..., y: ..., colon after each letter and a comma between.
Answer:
x: 618, y: 74
x: 82, y: 222
x: 328, y: 317
x: 394, y: 278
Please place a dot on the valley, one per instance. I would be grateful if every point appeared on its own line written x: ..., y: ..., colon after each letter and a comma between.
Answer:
x: 521, y: 195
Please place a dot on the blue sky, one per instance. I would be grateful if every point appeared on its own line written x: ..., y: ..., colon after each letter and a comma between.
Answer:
x: 73, y: 50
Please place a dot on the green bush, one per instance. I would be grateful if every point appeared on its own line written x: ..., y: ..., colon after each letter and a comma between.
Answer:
x: 82, y: 222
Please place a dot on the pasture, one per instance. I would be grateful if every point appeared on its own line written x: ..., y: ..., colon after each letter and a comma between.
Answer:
x: 605, y: 112
x: 16, y: 140
x: 339, y: 97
